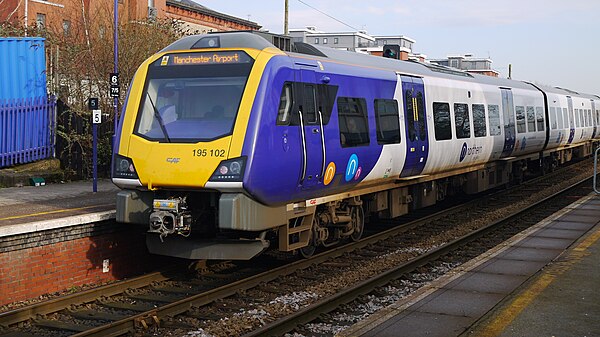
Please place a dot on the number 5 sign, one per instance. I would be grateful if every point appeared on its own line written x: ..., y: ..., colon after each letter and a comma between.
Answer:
x: 96, y: 116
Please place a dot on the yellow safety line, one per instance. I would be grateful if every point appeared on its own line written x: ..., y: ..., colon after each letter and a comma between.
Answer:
x: 51, y: 212
x: 499, y: 324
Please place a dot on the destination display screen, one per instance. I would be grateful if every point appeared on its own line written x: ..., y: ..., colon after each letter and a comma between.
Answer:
x: 206, y: 58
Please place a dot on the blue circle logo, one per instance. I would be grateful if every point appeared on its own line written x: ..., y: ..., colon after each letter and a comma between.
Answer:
x: 352, y: 167
x: 463, y: 152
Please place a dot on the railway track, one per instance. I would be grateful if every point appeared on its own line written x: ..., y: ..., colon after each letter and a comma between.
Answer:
x: 250, y: 300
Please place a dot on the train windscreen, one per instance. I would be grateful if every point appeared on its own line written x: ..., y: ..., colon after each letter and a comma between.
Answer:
x: 191, y: 102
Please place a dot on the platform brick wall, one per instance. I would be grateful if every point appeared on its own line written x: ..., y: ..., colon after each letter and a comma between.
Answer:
x: 57, y: 260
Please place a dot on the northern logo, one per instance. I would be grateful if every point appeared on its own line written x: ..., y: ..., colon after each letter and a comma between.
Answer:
x: 173, y: 160
x: 463, y: 152
x: 468, y: 151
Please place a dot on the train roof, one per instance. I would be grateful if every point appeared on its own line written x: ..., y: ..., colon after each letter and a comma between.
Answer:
x: 417, y: 68
x: 566, y: 92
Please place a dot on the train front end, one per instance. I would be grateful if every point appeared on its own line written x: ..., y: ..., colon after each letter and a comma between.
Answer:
x: 179, y: 144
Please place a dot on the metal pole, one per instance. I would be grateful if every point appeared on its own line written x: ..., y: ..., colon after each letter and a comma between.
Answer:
x: 95, y: 156
x: 116, y: 62
x: 26, y: 10
x: 285, y: 20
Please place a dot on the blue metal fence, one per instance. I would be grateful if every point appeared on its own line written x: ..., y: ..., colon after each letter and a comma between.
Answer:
x: 27, y: 130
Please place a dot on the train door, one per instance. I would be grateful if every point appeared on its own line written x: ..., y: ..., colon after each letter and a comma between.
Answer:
x: 571, y: 119
x: 594, y: 121
x: 311, y: 130
x: 417, y: 144
x: 509, y: 122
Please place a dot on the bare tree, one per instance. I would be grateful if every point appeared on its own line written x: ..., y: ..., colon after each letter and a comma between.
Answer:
x: 82, y: 58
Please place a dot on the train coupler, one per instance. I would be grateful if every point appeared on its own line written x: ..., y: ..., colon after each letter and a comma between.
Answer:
x: 170, y: 216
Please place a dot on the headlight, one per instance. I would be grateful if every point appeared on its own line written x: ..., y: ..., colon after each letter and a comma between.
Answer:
x: 230, y: 170
x: 123, y: 168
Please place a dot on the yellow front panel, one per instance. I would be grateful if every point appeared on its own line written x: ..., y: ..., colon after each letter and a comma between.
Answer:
x: 175, y: 164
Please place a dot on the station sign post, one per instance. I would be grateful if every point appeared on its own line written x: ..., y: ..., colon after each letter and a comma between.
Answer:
x: 93, y: 105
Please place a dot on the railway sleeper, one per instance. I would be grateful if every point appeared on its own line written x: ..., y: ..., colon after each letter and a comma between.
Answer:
x: 58, y: 325
x: 90, y: 314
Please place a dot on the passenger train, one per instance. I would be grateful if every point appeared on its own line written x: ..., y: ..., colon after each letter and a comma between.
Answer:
x: 228, y: 145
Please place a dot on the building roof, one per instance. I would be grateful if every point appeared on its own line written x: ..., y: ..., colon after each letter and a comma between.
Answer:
x: 390, y: 37
x: 313, y: 32
x: 195, y: 7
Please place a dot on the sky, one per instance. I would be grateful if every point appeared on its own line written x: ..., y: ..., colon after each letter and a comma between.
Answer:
x: 550, y: 42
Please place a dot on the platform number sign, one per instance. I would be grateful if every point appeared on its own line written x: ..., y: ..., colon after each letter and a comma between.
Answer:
x: 96, y: 116
x: 93, y: 103
x: 114, y: 85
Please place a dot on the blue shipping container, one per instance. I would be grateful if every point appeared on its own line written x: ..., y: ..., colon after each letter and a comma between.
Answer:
x: 27, y: 114
x: 22, y: 68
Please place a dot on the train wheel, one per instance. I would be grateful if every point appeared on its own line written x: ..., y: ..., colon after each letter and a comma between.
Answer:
x: 358, y: 222
x: 309, y: 250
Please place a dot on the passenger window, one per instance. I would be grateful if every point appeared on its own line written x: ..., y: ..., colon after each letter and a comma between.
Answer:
x: 494, y: 116
x: 552, y: 113
x: 520, y: 112
x: 461, y: 119
x: 285, y: 105
x: 577, y: 119
x: 309, y: 109
x: 539, y: 117
x: 388, y: 121
x: 479, y: 127
x: 530, y: 119
x: 441, y: 121
x: 353, y: 124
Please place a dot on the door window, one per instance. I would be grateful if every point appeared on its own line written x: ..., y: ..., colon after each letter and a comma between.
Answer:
x: 309, y: 107
x: 494, y: 116
x: 410, y: 115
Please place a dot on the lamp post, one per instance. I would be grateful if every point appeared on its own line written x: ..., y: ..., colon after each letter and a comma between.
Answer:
x: 26, y: 17
x: 285, y: 18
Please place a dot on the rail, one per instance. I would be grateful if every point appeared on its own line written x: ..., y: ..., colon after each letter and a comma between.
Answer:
x: 204, y: 296
x: 329, y: 304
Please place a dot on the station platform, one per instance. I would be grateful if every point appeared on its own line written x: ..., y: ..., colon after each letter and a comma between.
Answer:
x: 543, y: 282
x: 31, y: 209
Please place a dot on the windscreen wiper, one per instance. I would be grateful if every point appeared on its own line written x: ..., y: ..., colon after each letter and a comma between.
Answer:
x: 159, y: 119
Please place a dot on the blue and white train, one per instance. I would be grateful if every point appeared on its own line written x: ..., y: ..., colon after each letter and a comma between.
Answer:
x: 228, y: 145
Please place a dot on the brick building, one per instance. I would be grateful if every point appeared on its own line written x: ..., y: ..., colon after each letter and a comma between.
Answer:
x: 63, y: 14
